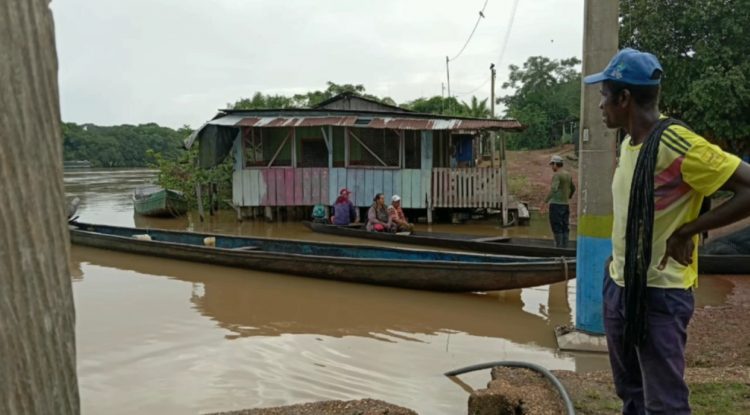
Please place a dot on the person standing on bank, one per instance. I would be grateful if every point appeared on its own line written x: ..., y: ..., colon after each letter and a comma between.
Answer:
x: 664, y: 172
x: 561, y: 191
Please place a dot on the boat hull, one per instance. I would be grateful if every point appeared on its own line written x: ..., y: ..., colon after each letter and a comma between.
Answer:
x: 421, y: 271
x: 164, y: 203
x: 707, y: 263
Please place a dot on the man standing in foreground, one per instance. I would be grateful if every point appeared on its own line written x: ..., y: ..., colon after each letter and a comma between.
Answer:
x: 664, y: 172
x: 561, y: 191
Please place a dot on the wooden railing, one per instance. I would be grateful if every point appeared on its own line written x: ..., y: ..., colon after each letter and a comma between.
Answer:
x: 466, y: 188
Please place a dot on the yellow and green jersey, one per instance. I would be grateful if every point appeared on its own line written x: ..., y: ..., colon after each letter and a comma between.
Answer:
x: 688, y: 168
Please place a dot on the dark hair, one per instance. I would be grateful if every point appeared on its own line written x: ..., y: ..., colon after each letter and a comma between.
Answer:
x: 377, y: 196
x: 559, y: 163
x: 646, y: 96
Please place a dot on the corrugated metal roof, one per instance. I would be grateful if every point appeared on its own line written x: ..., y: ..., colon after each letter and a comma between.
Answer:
x: 361, y: 120
x: 394, y: 123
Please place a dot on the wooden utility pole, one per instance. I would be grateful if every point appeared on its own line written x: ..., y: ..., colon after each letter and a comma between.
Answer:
x: 37, y: 318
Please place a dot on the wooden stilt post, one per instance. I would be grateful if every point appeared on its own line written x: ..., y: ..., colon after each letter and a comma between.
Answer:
x: 429, y: 211
x: 199, y: 197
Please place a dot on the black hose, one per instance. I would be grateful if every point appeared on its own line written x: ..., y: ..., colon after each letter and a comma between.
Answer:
x: 555, y: 382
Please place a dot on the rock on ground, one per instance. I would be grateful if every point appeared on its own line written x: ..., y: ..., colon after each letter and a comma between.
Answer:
x: 516, y: 391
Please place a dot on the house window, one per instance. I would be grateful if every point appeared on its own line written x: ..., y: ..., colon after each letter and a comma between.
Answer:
x: 412, y: 149
x: 268, y: 146
x: 373, y: 147
x: 314, y: 152
x: 253, y: 145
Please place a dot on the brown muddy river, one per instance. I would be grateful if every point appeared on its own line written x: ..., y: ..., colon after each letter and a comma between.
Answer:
x: 171, y: 337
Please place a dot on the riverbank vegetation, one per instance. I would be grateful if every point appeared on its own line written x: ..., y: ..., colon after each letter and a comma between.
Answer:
x: 121, y: 145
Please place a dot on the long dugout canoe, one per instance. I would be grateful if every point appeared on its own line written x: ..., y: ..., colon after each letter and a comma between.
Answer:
x: 707, y: 263
x: 405, y: 268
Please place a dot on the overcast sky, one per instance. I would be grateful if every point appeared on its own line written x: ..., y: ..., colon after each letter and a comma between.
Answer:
x: 175, y: 62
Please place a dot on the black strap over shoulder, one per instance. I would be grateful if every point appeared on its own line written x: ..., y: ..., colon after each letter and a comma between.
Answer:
x: 639, y: 235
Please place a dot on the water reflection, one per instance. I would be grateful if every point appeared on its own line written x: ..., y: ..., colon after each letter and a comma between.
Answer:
x: 248, y: 303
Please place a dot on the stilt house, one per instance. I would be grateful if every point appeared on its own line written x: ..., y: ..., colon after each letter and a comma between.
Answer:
x: 303, y: 157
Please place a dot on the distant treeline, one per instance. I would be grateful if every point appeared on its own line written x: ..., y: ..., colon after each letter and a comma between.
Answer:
x: 121, y: 145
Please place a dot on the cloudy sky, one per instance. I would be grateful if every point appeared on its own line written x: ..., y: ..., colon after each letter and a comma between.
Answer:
x: 175, y: 62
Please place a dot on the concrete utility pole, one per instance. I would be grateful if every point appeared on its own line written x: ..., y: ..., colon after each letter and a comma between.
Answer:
x: 596, y: 167
x: 492, y: 91
x: 37, y: 319
x: 448, y: 75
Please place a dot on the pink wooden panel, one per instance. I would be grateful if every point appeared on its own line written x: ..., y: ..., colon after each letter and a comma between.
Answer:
x: 306, y: 187
x: 289, y: 186
x: 298, y: 195
x: 280, y: 187
x: 315, y: 181
x: 323, y: 197
x: 270, y: 178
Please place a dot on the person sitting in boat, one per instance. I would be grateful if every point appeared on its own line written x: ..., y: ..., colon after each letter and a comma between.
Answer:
x: 392, y: 227
x: 319, y: 214
x: 377, y: 216
x: 398, y: 217
x: 344, y: 212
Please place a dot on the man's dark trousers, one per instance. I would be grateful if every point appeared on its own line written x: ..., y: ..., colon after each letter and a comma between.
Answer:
x: 559, y: 215
x: 649, y: 378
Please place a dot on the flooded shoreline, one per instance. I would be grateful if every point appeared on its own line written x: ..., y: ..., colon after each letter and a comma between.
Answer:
x: 165, y: 336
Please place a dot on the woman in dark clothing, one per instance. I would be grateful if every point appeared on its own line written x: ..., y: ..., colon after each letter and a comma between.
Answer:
x: 377, y: 216
x: 344, y: 211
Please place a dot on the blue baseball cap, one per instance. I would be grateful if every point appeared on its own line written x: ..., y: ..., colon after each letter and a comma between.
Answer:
x: 630, y: 66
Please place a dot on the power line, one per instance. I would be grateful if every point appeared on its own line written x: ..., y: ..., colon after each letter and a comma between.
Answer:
x: 479, y: 18
x: 458, y: 94
x: 447, y: 59
x: 511, y: 19
x: 507, y: 31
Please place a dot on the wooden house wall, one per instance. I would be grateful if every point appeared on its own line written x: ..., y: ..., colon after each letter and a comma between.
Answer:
x: 418, y: 188
x: 280, y: 186
x: 365, y: 183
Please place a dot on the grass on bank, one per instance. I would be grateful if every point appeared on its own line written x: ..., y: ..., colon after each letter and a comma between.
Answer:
x: 705, y: 399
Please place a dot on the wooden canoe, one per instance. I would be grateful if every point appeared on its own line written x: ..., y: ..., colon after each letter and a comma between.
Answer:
x: 707, y: 263
x: 405, y: 268
x: 155, y: 201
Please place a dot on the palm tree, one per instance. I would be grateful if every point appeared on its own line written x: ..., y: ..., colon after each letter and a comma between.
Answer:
x: 477, y: 109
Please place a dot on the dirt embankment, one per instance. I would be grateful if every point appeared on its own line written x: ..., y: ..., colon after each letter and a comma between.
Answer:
x: 530, y: 175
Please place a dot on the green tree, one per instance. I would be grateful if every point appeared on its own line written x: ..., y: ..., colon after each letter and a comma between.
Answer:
x: 183, y: 174
x: 546, y: 99
x: 120, y: 145
x: 704, y: 50
x: 477, y: 109
x: 260, y: 101
x: 450, y: 106
x: 436, y: 105
x: 306, y: 100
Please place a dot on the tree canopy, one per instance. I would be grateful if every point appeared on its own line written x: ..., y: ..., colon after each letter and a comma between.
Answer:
x: 121, y: 145
x: 704, y: 51
x: 432, y: 105
x: 306, y: 100
x: 546, y: 99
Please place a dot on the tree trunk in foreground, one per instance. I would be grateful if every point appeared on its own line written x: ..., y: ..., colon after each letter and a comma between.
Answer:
x: 37, y: 320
